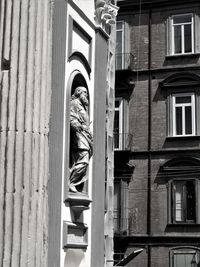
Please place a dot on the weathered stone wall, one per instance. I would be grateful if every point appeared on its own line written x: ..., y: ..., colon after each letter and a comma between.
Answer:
x: 25, y: 59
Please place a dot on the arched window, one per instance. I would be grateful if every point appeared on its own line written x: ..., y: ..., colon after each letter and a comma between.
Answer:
x: 182, y: 91
x: 184, y: 184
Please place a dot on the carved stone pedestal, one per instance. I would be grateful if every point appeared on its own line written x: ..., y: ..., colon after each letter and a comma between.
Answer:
x: 75, y: 232
x: 78, y: 202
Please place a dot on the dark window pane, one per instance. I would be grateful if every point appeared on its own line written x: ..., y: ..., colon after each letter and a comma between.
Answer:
x: 116, y: 129
x: 119, y: 48
x: 117, y: 103
x: 183, y: 99
x: 119, y: 42
x: 179, y: 126
x: 119, y: 61
x: 188, y: 120
x: 119, y: 25
x: 188, y: 38
x: 177, y: 39
x: 116, y: 206
x: 190, y: 200
x: 182, y: 19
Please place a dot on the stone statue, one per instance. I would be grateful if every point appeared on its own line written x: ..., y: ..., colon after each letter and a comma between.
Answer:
x: 81, y: 141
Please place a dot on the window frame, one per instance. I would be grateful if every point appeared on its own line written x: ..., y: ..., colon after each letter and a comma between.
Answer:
x: 120, y: 109
x: 122, y: 30
x: 183, y: 105
x: 183, y: 251
x: 124, y: 136
x: 172, y: 26
x: 120, y: 206
x: 172, y: 203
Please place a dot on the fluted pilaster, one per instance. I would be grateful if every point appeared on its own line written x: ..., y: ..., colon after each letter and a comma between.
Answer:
x: 25, y: 82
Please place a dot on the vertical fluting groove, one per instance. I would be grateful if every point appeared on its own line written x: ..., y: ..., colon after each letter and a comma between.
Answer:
x: 8, y: 229
x: 14, y: 66
x: 7, y: 30
x: 6, y: 37
x: 45, y: 210
x: 40, y: 202
x: 18, y: 196
x: 2, y: 188
x: 43, y: 99
x: 26, y: 81
x: 2, y: 27
x: 26, y: 261
x: 30, y: 66
x: 16, y: 242
x: 25, y: 209
x: 38, y: 68
x: 32, y: 253
x: 11, y: 137
x: 3, y: 123
x: 5, y: 25
x: 22, y: 66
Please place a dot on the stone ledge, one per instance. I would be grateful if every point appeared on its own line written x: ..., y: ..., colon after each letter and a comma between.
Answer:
x: 78, y: 201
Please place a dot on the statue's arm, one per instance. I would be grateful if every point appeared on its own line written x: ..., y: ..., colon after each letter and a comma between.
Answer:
x: 75, y: 123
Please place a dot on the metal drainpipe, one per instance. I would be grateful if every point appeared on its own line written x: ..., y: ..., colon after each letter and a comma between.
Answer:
x: 149, y: 140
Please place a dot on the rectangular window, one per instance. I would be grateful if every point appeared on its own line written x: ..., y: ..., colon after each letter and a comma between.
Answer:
x: 121, y: 206
x: 184, y: 201
x: 118, y: 124
x: 183, y: 110
x: 120, y: 45
x: 185, y: 258
x: 122, y: 139
x: 182, y: 31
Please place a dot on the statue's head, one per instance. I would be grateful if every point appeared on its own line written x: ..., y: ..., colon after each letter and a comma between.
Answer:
x: 81, y: 93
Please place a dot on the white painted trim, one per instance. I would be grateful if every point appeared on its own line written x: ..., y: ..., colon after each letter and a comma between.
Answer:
x: 183, y: 105
x: 123, y: 40
x: 172, y: 25
x: 121, y: 118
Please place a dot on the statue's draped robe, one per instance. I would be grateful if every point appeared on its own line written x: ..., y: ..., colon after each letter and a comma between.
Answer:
x: 81, y: 147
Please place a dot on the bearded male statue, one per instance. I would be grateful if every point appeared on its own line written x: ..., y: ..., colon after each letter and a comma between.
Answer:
x: 81, y: 140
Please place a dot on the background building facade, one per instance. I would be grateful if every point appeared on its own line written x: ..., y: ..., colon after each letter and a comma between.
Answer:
x: 47, y: 49
x: 157, y: 133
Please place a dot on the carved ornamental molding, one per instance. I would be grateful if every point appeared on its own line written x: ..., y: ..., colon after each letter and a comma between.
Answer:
x: 105, y: 12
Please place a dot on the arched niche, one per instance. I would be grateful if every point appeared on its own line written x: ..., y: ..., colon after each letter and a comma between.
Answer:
x: 76, y: 79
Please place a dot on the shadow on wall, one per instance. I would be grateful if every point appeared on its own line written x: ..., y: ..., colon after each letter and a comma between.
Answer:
x: 74, y: 258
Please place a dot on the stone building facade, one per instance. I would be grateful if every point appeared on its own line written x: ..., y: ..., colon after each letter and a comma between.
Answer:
x: 157, y: 156
x: 47, y: 49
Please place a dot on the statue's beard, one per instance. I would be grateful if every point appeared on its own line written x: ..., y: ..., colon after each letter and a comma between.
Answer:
x: 84, y: 100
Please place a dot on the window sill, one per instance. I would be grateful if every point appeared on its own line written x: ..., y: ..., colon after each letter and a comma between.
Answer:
x: 182, y: 138
x: 182, y: 55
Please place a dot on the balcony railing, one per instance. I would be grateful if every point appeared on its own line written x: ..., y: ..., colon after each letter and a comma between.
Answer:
x: 124, y: 61
x: 122, y: 141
